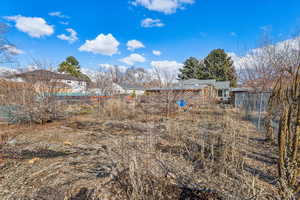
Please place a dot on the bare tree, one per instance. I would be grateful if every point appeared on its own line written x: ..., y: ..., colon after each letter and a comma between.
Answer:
x: 103, y: 84
x: 264, y: 65
x: 34, y: 97
x: 275, y: 67
x: 165, y: 78
x: 115, y: 74
x: 136, y: 76
x: 6, y: 55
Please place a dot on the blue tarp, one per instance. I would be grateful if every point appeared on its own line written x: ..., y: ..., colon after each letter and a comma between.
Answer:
x: 181, y: 103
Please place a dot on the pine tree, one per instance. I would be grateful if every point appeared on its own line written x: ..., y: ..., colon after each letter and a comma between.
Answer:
x: 189, y: 69
x: 219, y: 66
x: 72, y: 67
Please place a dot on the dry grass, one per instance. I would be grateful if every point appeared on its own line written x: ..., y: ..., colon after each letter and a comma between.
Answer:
x: 127, y: 151
x: 30, y: 102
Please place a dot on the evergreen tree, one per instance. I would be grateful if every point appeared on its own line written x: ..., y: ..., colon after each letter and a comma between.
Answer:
x: 70, y: 66
x: 190, y: 68
x: 219, y: 66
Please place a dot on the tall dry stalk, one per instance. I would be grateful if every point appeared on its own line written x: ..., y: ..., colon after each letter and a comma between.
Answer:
x: 287, y: 92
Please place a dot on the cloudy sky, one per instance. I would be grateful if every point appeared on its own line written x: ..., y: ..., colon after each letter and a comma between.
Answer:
x: 142, y: 32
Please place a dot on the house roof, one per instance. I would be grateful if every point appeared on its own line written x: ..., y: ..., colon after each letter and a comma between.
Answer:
x: 184, y: 87
x: 222, y: 84
x: 45, y: 75
x: 197, y: 81
x: 243, y: 89
x: 213, y: 82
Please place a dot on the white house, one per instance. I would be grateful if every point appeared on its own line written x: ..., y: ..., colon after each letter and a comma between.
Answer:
x: 106, y: 90
x: 130, y: 89
x: 67, y: 82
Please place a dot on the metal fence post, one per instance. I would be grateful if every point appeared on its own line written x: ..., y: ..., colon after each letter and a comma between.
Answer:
x: 259, y: 115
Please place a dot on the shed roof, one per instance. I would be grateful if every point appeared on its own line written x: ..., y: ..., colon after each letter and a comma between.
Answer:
x: 240, y: 89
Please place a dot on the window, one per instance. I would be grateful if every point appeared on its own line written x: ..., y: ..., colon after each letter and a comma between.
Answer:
x: 226, y: 93
x: 220, y: 93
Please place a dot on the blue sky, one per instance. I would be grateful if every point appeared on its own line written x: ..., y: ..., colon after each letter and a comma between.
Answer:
x: 179, y: 29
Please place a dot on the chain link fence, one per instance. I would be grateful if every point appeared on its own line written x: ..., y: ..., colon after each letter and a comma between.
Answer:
x: 253, y: 106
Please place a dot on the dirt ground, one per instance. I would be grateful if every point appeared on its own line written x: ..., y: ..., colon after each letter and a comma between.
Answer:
x: 204, y: 153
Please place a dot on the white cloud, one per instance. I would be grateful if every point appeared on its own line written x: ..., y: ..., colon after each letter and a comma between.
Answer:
x: 266, y: 28
x: 30, y: 68
x: 165, y: 6
x: 122, y: 68
x: 133, y: 58
x: 102, y: 44
x: 33, y: 26
x: 149, y: 23
x: 233, y: 34
x: 165, y: 70
x: 5, y: 71
x: 92, y: 74
x: 256, y: 56
x: 64, y: 23
x: 11, y: 49
x: 58, y: 14
x: 157, y: 53
x: 134, y: 44
x: 72, y: 37
x: 237, y: 60
x: 171, y: 66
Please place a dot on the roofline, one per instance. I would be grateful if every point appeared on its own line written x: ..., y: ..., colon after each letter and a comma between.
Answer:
x: 51, y: 74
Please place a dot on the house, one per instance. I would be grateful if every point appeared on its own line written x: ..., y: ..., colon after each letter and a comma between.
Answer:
x: 209, y: 88
x: 57, y: 81
x: 191, y: 87
x: 105, y: 89
x: 131, y: 89
x: 223, y: 88
x: 201, y: 90
x: 115, y: 89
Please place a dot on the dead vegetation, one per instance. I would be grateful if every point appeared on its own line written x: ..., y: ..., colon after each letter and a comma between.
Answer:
x: 31, y: 101
x: 287, y: 95
x: 126, y: 151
